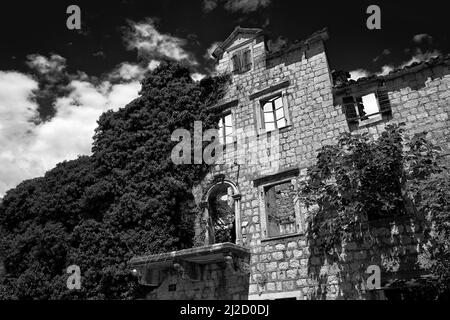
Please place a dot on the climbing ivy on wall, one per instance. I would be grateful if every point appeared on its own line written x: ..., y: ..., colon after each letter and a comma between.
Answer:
x: 360, y: 180
x: 127, y: 199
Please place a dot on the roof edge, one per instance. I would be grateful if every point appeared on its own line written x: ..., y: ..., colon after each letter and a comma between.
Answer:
x: 412, y: 68
x: 238, y: 30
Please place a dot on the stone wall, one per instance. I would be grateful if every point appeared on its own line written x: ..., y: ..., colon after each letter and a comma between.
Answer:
x: 295, y: 264
x: 290, y: 265
x: 216, y: 282
x: 419, y: 97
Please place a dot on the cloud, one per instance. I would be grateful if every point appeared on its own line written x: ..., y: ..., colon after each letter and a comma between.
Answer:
x: 17, y: 115
x: 422, y: 37
x: 126, y: 71
x: 153, y: 64
x: 51, y: 75
x: 154, y: 45
x: 129, y: 71
x: 17, y: 110
x: 418, y: 56
x: 211, y: 63
x: 43, y: 65
x: 99, y: 54
x: 49, y: 115
x: 385, y: 52
x: 196, y: 76
x: 69, y: 133
x: 28, y: 146
x: 245, y: 6
x: 385, y: 70
x: 209, y: 5
x: 359, y: 73
x: 210, y: 50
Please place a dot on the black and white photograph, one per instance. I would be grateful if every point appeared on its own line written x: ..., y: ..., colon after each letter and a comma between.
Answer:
x: 247, y: 151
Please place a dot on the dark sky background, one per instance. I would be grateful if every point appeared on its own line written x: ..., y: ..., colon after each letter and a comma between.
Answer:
x: 40, y: 27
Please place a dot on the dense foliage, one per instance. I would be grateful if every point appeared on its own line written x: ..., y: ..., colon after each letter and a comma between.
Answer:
x: 361, y: 179
x: 127, y: 199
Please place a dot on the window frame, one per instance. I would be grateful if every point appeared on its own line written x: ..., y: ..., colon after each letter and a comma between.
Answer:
x: 299, y: 219
x: 239, y: 53
x: 349, y: 105
x: 273, y: 112
x: 222, y: 117
x: 357, y: 99
x: 260, y: 120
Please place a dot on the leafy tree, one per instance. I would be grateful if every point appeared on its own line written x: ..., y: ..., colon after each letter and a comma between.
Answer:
x: 127, y: 199
x: 429, y: 187
x: 361, y: 179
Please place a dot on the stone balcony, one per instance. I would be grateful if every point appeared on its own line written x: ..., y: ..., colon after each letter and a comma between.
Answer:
x: 218, y: 271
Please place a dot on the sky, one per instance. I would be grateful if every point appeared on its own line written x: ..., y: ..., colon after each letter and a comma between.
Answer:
x: 56, y: 82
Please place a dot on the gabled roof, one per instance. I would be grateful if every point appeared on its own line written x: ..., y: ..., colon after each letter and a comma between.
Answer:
x: 253, y: 32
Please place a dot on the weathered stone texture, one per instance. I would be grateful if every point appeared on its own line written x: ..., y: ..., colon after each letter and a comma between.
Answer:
x: 290, y: 263
x: 217, y: 282
x: 419, y: 99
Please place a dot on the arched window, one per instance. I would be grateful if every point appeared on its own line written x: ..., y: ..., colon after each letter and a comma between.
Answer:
x: 222, y: 214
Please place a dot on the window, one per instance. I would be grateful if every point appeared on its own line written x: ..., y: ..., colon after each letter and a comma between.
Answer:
x: 367, y: 108
x: 172, y: 287
x: 362, y: 108
x: 280, y: 209
x: 242, y: 61
x: 273, y: 115
x: 226, y: 129
x: 222, y: 214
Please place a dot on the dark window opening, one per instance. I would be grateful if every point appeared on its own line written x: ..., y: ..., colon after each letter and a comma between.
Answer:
x: 222, y: 215
x: 362, y: 108
x: 242, y: 61
x: 172, y: 287
x: 371, y: 106
x: 280, y: 209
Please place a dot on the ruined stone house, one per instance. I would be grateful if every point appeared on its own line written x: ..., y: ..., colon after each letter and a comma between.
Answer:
x: 252, y: 226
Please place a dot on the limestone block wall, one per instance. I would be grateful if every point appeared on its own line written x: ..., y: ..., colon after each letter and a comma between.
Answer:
x: 420, y: 99
x: 216, y: 282
x: 295, y: 265
x: 290, y: 266
x: 314, y: 121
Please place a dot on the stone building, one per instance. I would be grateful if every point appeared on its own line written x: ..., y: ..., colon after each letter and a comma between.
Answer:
x: 282, y: 106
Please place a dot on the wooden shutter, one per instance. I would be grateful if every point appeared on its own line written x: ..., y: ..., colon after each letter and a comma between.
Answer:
x: 246, y: 62
x: 236, y: 63
x: 349, y: 109
x: 383, y: 102
x: 360, y: 106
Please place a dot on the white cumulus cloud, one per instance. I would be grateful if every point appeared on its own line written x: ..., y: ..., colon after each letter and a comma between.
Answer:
x: 152, y: 44
x: 359, y: 73
x: 28, y: 148
x: 133, y: 71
